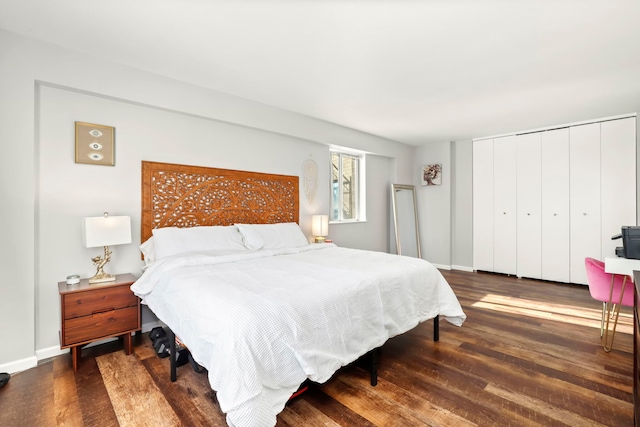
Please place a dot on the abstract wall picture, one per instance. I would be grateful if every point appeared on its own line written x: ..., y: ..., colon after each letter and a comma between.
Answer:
x: 95, y: 144
x: 432, y: 174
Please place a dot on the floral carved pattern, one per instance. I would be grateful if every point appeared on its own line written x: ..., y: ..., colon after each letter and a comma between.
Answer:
x: 191, y: 196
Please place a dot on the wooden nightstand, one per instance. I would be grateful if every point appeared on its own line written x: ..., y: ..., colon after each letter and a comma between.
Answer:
x: 98, y: 311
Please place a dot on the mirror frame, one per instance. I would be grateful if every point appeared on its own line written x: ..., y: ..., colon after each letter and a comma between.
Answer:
x: 412, y: 188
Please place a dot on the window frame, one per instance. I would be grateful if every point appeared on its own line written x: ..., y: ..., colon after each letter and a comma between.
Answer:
x: 360, y: 203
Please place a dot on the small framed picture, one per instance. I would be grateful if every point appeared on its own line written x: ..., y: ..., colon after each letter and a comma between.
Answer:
x: 95, y: 144
x: 432, y: 174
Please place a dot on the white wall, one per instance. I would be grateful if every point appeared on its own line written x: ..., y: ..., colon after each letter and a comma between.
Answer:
x: 44, y: 89
x: 462, y: 205
x: 434, y: 205
x: 445, y: 211
x: 17, y: 253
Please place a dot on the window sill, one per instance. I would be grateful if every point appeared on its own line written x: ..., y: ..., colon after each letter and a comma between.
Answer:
x: 356, y: 221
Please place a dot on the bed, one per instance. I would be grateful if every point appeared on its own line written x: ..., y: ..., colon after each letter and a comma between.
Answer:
x: 229, y: 270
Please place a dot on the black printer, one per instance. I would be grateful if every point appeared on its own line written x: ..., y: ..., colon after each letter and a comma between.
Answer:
x: 630, y: 242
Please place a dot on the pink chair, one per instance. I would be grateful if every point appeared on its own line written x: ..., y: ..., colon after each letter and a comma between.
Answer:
x: 613, y: 290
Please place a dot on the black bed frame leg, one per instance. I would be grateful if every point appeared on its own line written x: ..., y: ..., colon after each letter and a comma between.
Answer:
x: 373, y: 367
x: 172, y: 354
x: 373, y: 354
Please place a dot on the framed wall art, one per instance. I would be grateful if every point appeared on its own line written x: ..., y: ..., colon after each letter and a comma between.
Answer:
x: 95, y: 144
x: 432, y: 174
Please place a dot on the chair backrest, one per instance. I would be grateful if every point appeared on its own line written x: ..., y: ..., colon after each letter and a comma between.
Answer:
x: 600, y: 283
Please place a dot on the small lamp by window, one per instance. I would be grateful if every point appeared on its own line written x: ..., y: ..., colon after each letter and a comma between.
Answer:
x: 320, y: 227
x: 105, y: 231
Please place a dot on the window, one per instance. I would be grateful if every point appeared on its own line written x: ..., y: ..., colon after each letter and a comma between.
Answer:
x: 346, y: 187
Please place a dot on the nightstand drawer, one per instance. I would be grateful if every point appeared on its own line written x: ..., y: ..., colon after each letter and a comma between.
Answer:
x: 85, y: 303
x: 96, y: 326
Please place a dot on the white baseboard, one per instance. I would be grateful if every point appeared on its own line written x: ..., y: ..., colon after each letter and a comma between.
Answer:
x: 462, y: 268
x: 19, y: 365
x: 50, y: 352
x: 453, y: 267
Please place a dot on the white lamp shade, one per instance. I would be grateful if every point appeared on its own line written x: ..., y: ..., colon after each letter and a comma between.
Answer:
x: 106, y: 231
x: 320, y: 225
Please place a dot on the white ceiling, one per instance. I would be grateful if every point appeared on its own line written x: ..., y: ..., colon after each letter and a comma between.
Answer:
x: 411, y: 71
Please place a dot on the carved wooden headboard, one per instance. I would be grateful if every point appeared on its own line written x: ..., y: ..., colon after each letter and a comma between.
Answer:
x: 190, y: 196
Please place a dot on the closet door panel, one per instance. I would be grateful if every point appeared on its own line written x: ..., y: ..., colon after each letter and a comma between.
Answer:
x: 618, y: 179
x: 504, y: 193
x: 555, y: 205
x: 529, y: 224
x: 483, y: 205
x: 584, y: 169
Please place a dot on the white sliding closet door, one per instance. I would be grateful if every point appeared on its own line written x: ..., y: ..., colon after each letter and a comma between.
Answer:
x: 545, y: 201
x: 618, y: 170
x: 483, y: 205
x: 529, y: 223
x: 584, y: 169
x: 555, y: 205
x: 504, y: 202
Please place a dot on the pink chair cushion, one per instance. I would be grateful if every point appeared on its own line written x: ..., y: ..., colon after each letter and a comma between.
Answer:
x: 600, y: 283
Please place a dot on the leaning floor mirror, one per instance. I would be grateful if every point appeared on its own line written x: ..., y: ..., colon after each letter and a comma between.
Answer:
x: 405, y: 217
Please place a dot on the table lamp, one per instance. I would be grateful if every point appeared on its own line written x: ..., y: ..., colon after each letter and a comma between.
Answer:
x: 105, y: 231
x: 320, y: 227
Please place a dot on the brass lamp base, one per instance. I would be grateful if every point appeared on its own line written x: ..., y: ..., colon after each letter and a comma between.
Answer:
x: 102, y: 277
x: 100, y: 262
x: 320, y: 239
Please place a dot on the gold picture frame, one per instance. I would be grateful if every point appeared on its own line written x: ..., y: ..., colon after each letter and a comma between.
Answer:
x: 95, y: 144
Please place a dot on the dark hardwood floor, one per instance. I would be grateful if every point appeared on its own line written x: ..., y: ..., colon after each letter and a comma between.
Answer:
x: 528, y: 354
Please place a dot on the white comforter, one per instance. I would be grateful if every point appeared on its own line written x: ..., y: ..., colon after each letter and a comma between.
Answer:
x: 262, y: 322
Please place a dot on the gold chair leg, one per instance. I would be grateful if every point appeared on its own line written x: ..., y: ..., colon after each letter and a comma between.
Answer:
x: 616, y: 312
x: 604, y: 314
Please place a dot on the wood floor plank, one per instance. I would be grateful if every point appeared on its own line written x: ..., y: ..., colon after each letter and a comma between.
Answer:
x: 136, y: 399
x: 67, y: 405
x: 300, y: 412
x: 93, y: 398
x: 361, y: 397
x: 29, y: 401
x: 420, y: 411
x: 144, y: 349
x: 539, y: 406
x: 331, y: 408
x: 190, y: 396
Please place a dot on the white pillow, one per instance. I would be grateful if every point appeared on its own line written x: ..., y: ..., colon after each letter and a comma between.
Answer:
x: 272, y: 236
x: 148, y: 251
x: 174, y: 240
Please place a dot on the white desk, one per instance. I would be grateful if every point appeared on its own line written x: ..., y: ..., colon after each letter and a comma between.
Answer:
x: 617, y: 265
